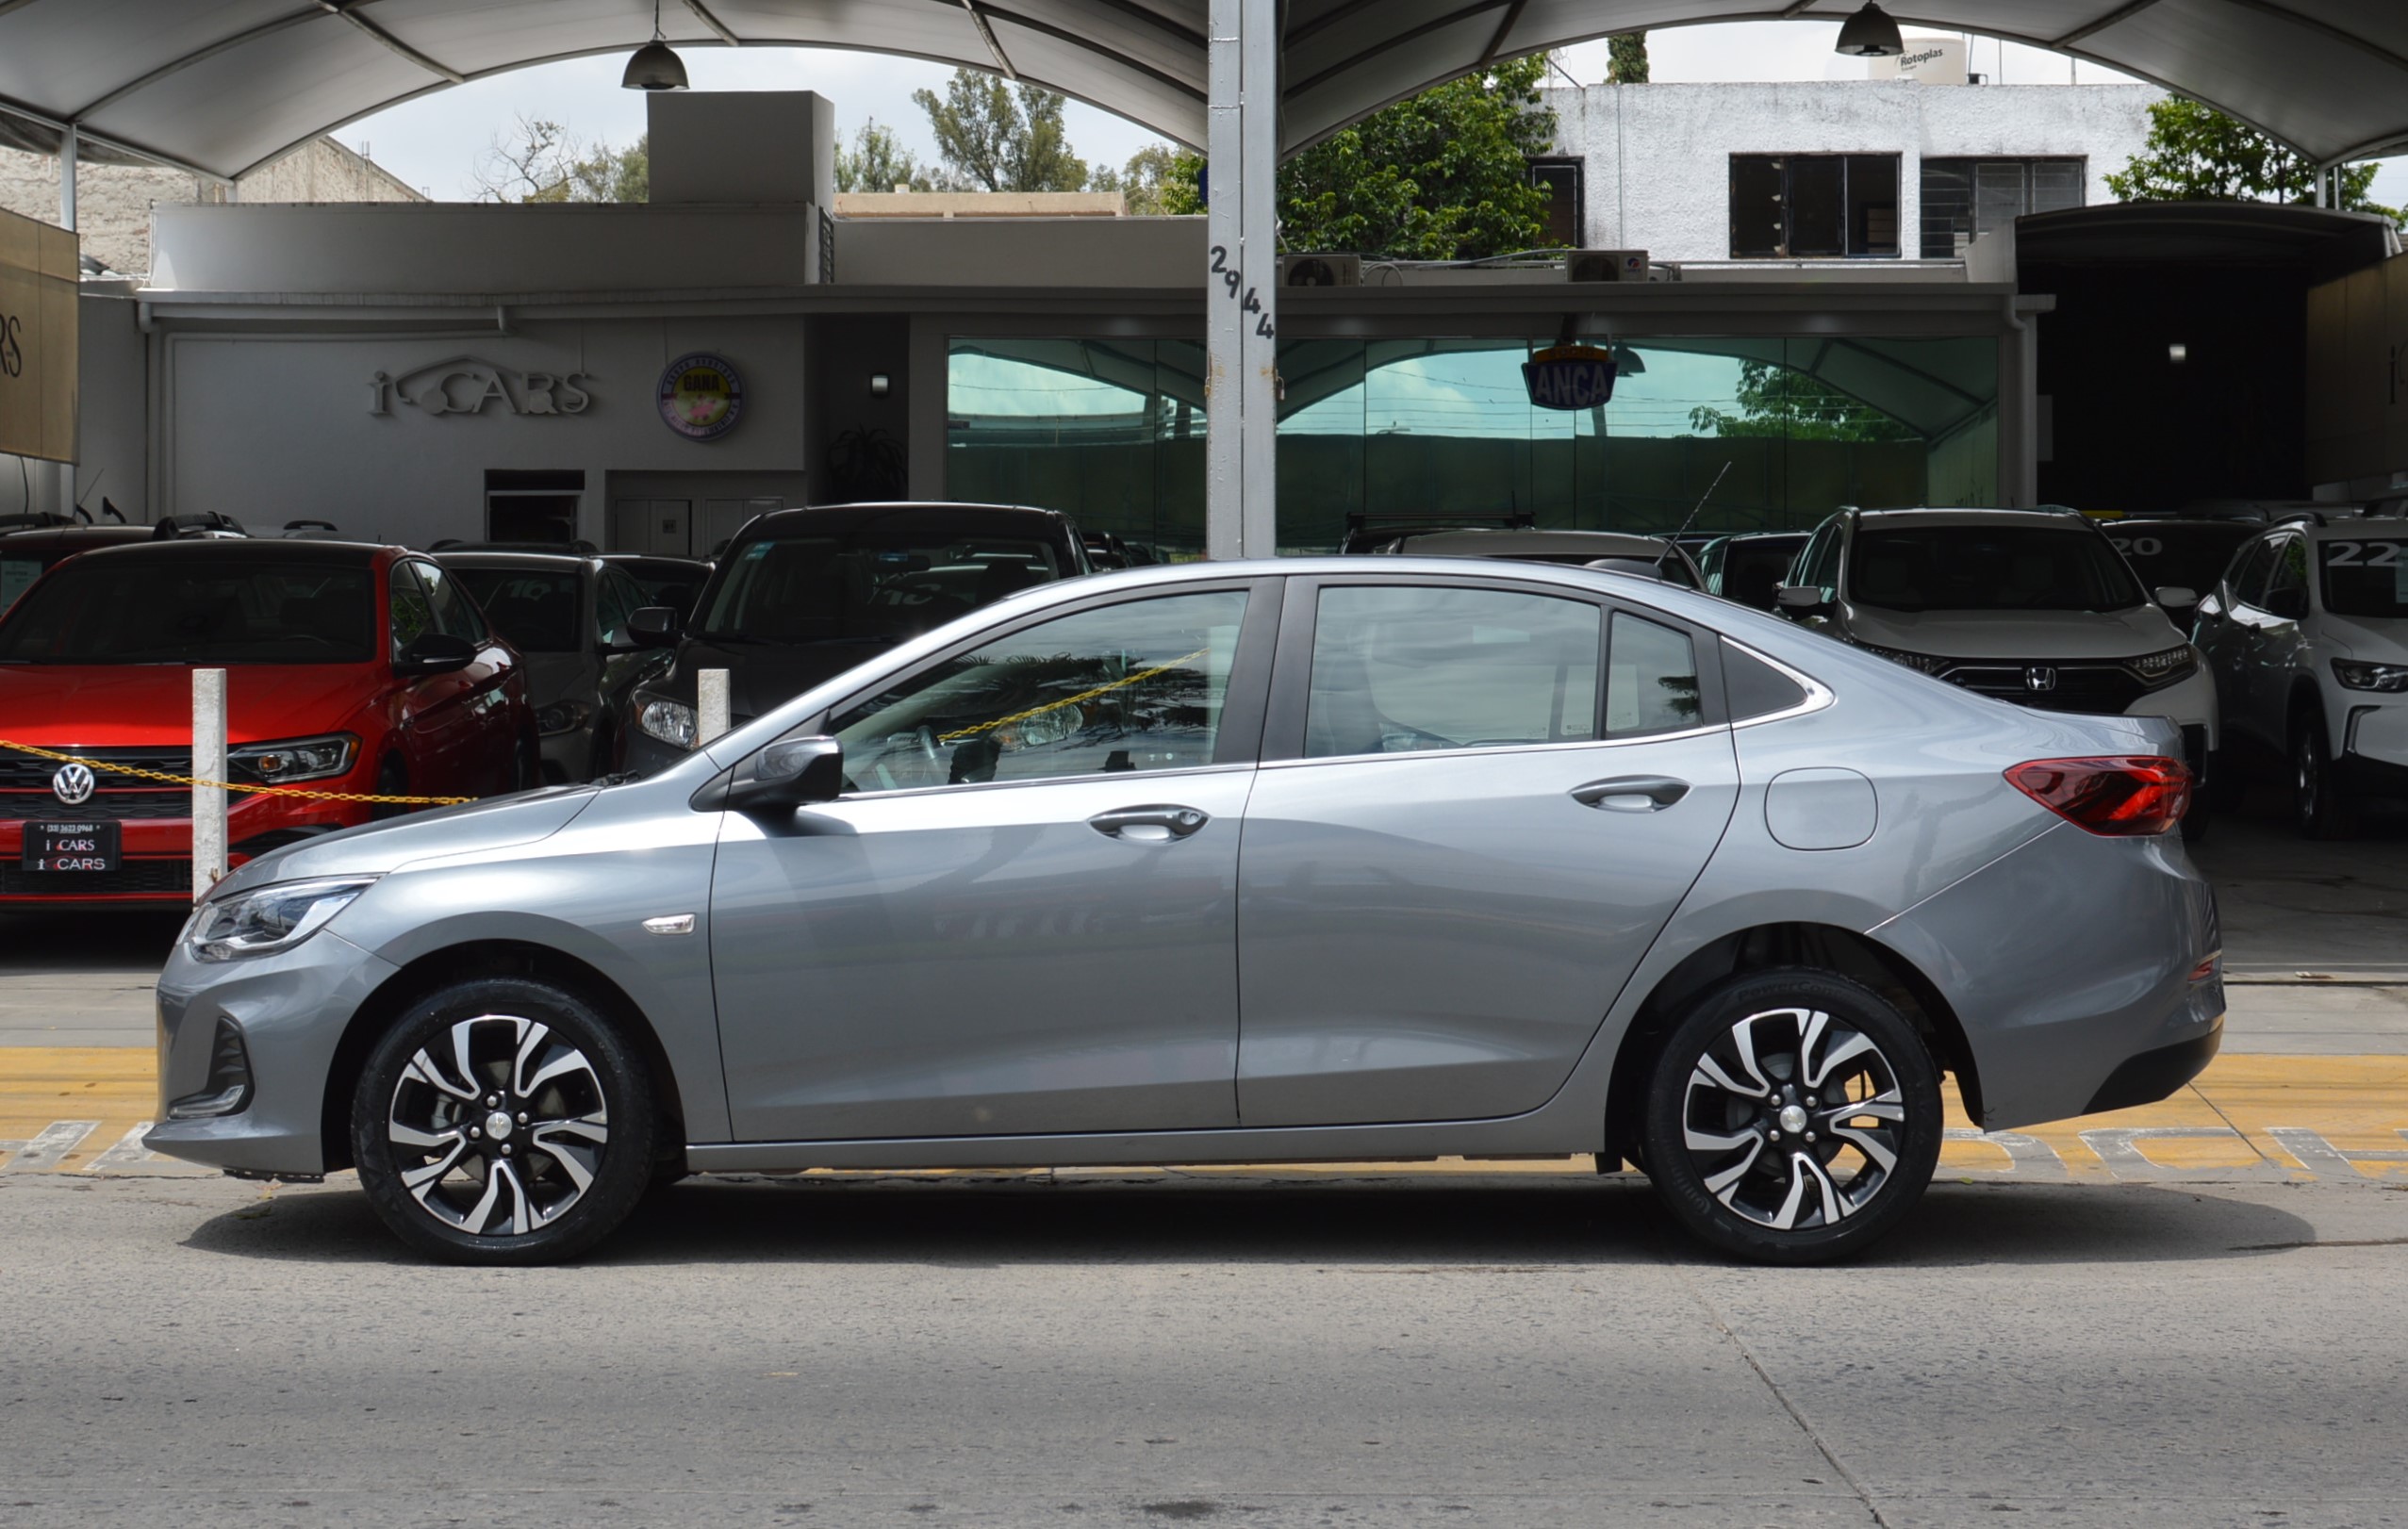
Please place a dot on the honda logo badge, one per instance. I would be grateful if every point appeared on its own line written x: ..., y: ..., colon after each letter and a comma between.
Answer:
x: 2039, y: 677
x: 73, y: 784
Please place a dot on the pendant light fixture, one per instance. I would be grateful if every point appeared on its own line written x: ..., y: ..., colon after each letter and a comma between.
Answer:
x: 654, y: 67
x: 1870, y: 34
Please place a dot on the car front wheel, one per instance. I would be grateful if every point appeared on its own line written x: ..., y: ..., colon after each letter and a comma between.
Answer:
x: 503, y: 1121
x: 1794, y: 1118
x: 2319, y: 808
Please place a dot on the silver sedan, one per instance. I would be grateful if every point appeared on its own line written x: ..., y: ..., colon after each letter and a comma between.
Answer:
x: 1229, y: 862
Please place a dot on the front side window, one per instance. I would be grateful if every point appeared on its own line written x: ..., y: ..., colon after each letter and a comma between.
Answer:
x: 1401, y: 670
x: 2366, y: 577
x: 1127, y: 687
x: 2287, y: 585
x: 454, y: 613
x: 2249, y: 574
x: 1989, y: 568
x: 413, y: 617
x: 196, y: 610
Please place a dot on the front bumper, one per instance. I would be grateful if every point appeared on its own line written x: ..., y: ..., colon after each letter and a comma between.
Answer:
x: 291, y: 1011
x: 2372, y: 756
x: 2067, y: 962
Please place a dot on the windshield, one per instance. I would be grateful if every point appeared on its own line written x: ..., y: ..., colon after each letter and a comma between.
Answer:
x: 537, y: 612
x: 1989, y: 568
x: 676, y: 591
x: 2366, y: 578
x: 194, y: 611
x: 17, y: 575
x: 868, y: 585
x: 2187, y: 557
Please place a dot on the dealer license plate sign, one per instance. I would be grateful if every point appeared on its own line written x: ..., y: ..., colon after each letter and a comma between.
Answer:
x: 71, y: 847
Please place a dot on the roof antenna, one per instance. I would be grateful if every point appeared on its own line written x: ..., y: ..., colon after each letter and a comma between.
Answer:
x: 1672, y: 542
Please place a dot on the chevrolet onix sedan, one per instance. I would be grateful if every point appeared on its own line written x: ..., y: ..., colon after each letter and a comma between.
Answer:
x: 1294, y: 861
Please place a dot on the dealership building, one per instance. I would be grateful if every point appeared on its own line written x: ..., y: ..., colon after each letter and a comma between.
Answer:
x: 646, y: 377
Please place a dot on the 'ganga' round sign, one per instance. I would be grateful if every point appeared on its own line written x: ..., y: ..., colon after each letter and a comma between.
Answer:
x: 701, y: 396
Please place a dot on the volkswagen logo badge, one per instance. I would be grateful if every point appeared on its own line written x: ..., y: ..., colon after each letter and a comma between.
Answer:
x: 2039, y: 677
x: 73, y: 784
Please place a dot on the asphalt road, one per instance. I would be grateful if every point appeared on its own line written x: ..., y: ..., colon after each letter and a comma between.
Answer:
x: 1517, y: 1351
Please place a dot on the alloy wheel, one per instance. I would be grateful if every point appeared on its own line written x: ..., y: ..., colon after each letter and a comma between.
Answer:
x: 499, y: 1126
x: 1793, y: 1119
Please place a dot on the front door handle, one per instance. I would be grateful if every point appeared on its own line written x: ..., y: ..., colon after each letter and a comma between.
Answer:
x: 1631, y: 793
x: 1149, y: 825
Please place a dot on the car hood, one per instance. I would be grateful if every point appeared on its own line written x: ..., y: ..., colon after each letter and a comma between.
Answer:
x: 2049, y: 634
x: 2373, y: 639
x: 126, y: 705
x: 764, y: 677
x: 374, y: 849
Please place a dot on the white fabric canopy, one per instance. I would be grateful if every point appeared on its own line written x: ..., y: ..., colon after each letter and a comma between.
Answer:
x: 219, y: 86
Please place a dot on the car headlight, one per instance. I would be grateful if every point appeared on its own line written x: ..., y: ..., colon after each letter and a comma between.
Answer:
x: 295, y: 759
x: 2389, y: 678
x: 1923, y: 662
x: 2166, y: 667
x: 670, y: 721
x: 270, y: 919
x: 563, y: 717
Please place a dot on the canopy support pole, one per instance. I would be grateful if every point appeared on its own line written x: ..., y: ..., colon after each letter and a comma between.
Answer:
x: 1242, y: 281
x: 67, y: 147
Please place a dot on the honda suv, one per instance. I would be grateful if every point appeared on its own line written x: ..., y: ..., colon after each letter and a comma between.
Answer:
x: 2306, y: 637
x: 2030, y: 606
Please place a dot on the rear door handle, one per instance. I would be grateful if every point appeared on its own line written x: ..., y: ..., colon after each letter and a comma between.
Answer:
x: 1631, y: 793
x: 1149, y: 825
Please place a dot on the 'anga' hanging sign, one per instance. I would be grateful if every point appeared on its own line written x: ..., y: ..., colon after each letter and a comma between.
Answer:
x: 1570, y: 377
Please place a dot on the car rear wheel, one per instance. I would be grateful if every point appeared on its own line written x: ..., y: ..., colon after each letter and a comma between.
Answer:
x: 503, y: 1121
x: 1792, y: 1118
x: 2320, y: 809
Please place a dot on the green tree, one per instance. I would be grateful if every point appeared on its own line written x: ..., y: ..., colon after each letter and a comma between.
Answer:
x: 878, y: 162
x: 1443, y: 175
x: 1158, y: 181
x: 994, y: 137
x: 1776, y: 400
x: 1627, y: 58
x: 2195, y: 153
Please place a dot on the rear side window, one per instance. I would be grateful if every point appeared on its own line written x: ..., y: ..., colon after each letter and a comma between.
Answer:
x: 1403, y: 671
x: 1651, y: 679
x: 1753, y: 688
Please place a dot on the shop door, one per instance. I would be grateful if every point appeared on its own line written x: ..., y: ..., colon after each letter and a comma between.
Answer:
x: 662, y: 527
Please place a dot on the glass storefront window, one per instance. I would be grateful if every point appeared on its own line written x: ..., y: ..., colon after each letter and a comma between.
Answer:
x: 1113, y: 432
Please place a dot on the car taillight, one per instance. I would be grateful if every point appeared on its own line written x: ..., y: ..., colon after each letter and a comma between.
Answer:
x: 2119, y: 796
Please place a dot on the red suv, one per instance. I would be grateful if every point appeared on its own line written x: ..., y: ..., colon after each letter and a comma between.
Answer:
x: 349, y: 668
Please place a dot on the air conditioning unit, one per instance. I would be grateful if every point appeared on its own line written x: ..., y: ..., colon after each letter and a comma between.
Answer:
x: 1321, y: 271
x: 1605, y: 265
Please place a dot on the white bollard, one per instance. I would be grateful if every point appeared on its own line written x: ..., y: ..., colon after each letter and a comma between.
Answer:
x: 710, y: 705
x: 209, y: 763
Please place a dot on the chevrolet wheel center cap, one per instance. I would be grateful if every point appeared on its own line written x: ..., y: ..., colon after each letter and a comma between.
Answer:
x: 1793, y: 1120
x: 73, y: 784
x: 497, y: 1125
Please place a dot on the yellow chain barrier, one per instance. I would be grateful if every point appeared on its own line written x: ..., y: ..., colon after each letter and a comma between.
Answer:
x: 960, y: 734
x: 138, y: 774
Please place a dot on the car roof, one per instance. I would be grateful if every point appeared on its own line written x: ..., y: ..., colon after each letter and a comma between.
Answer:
x: 1936, y: 516
x: 77, y: 536
x: 252, y: 549
x: 1528, y: 543
x: 532, y: 562
x: 657, y: 560
x: 813, y: 519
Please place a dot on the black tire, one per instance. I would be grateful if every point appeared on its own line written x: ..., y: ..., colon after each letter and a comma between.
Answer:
x: 2320, y: 809
x: 568, y: 1102
x: 393, y: 780
x: 1706, y: 1142
x: 526, y: 764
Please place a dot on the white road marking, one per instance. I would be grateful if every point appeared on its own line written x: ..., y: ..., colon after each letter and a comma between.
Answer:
x: 57, y: 1140
x: 2025, y: 1155
x: 2318, y: 1156
x: 128, y: 1152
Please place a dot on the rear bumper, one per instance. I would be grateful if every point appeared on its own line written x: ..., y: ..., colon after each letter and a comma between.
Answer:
x: 2070, y: 963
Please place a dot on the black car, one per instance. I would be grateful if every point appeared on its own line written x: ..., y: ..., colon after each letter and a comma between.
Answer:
x: 800, y: 595
x: 1749, y: 567
x: 569, y: 618
x: 673, y: 582
x: 2179, y: 552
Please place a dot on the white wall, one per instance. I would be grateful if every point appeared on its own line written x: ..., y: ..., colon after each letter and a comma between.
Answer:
x: 1657, y: 170
x: 276, y: 428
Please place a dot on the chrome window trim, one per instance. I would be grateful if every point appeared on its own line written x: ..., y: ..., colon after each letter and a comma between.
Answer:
x: 1490, y: 750
x: 1818, y: 695
x: 955, y: 786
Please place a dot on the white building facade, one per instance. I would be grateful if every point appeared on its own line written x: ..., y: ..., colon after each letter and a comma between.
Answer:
x: 1901, y: 169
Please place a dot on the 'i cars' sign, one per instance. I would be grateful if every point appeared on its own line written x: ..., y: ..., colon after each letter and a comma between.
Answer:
x: 1570, y: 377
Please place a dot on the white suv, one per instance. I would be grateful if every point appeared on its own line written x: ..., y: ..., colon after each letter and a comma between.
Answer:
x: 2307, y: 638
x: 2030, y: 606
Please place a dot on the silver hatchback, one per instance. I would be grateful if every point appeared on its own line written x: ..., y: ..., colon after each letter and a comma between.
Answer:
x: 1229, y: 862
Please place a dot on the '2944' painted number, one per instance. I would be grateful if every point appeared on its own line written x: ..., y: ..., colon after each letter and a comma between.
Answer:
x: 1248, y: 302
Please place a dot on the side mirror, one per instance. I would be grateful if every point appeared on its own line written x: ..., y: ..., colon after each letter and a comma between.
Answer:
x: 434, y: 652
x: 654, y: 626
x: 1803, y: 599
x: 2176, y: 597
x: 794, y: 773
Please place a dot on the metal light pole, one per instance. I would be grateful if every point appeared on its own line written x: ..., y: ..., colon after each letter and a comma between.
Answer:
x: 1242, y: 281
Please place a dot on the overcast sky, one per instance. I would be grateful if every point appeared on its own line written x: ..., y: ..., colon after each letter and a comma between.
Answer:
x: 436, y: 141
